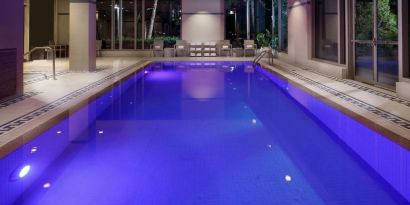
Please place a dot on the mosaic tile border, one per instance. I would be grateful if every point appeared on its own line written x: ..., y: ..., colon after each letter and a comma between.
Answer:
x: 399, y: 121
x: 10, y: 101
x: 366, y: 89
x: 13, y: 124
x: 42, y: 78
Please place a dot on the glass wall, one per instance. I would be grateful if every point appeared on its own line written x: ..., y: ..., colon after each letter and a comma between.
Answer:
x: 128, y: 24
x: 266, y: 16
x: 280, y: 24
x: 162, y: 21
x: 326, y: 30
x: 406, y: 13
x: 387, y: 45
x: 120, y: 22
x: 104, y: 10
x: 235, y: 21
x: 406, y: 38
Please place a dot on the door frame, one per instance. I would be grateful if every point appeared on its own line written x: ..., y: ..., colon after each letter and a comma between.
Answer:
x: 374, y: 42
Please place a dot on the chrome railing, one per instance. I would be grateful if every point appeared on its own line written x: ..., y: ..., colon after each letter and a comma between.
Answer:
x: 48, y: 49
x: 262, y: 54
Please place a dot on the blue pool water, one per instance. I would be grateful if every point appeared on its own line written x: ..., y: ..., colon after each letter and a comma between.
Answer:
x: 206, y: 133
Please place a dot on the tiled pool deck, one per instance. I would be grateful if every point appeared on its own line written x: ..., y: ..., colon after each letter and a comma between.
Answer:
x: 23, y: 117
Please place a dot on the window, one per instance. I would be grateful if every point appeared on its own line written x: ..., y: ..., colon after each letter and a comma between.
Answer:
x: 104, y: 23
x: 283, y: 22
x: 329, y: 30
x: 119, y: 22
x: 236, y: 19
x: 128, y: 24
x: 406, y: 13
x: 265, y: 16
x: 162, y: 21
x: 408, y: 38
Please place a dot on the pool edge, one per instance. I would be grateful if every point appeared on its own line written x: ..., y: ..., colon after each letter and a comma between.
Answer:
x: 388, y: 133
x: 24, y: 134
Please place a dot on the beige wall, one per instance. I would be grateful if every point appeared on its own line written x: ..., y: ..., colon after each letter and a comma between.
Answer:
x: 203, y: 21
x: 300, y: 39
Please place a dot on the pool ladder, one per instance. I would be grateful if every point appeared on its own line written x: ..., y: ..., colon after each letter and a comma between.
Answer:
x: 47, y: 49
x: 262, y: 54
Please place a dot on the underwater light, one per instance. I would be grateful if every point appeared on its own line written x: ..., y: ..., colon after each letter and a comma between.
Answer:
x: 46, y: 185
x: 33, y: 150
x: 24, y: 171
x: 288, y: 178
x: 20, y: 172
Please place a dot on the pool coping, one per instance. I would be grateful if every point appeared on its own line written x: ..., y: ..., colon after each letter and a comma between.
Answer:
x: 23, y: 129
x: 393, y: 135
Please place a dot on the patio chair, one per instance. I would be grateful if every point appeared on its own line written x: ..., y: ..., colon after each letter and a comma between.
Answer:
x: 210, y: 49
x: 225, y: 46
x: 195, y: 49
x: 181, y: 46
x: 249, y: 45
x: 157, y: 47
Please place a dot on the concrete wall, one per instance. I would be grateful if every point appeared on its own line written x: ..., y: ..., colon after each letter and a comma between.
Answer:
x: 203, y: 21
x: 11, y: 47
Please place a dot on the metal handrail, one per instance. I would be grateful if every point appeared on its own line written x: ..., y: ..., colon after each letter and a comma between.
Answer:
x: 262, y: 54
x: 46, y: 48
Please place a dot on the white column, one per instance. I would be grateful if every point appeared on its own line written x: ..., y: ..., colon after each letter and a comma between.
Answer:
x: 82, y: 35
x: 203, y: 20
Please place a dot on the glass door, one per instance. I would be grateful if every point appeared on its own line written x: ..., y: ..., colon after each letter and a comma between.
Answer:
x: 376, y: 42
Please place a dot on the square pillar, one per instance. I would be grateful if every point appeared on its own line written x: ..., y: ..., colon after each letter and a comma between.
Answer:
x: 82, y: 35
x: 202, y: 20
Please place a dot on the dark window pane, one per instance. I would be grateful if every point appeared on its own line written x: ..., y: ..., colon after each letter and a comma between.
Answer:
x: 326, y: 30
x: 162, y: 21
x: 408, y: 39
x: 128, y: 24
x: 387, y: 20
x: 283, y: 39
x: 104, y: 23
x: 364, y: 61
x: 387, y: 64
x: 364, y: 22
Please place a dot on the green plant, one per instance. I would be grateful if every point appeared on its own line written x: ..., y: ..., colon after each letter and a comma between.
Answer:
x: 263, y: 39
x: 275, y: 42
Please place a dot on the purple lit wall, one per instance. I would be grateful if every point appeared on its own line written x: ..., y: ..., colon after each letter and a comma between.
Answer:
x: 11, y: 47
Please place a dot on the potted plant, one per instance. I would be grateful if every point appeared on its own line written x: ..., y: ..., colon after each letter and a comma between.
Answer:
x: 264, y: 40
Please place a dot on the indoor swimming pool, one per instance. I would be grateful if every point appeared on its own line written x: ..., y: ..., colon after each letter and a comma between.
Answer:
x: 206, y: 133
